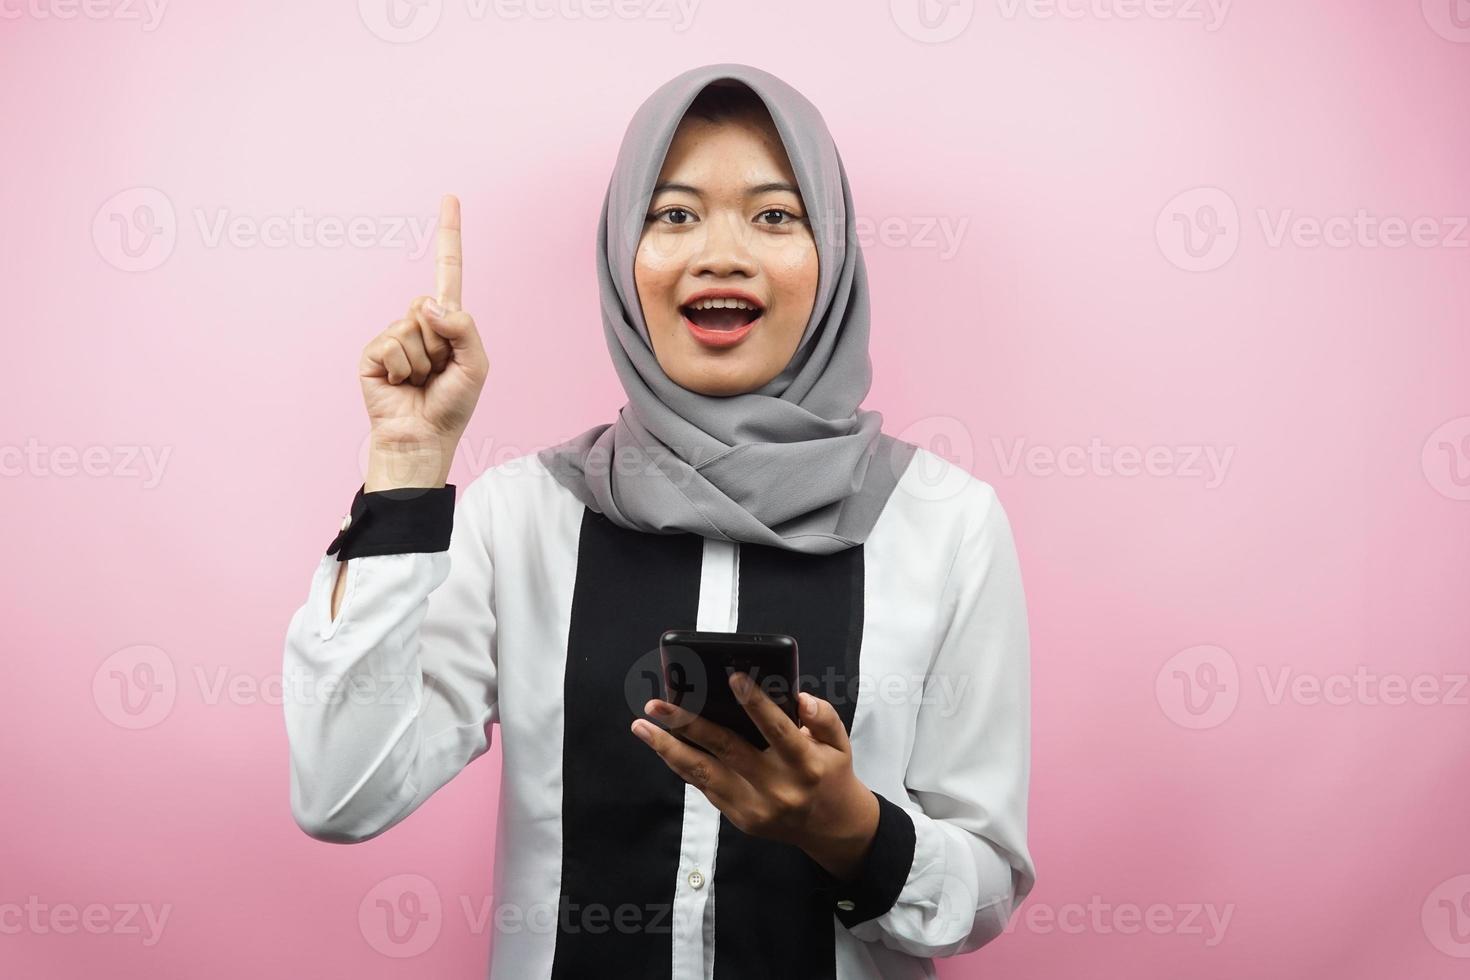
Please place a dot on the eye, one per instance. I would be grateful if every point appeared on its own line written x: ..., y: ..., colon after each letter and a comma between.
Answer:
x: 669, y: 211
x: 778, y: 211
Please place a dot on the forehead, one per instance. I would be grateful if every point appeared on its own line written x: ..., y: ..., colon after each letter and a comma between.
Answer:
x: 746, y: 148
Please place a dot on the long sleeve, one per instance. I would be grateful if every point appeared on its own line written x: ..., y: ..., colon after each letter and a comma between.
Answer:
x: 386, y: 703
x: 964, y: 845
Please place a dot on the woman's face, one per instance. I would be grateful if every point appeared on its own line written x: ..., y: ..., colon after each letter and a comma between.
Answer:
x: 725, y: 225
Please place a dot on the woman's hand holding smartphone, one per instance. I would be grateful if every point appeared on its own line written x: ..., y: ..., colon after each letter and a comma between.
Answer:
x: 800, y: 788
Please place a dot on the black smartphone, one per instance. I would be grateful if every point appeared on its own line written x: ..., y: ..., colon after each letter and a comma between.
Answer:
x: 697, y: 665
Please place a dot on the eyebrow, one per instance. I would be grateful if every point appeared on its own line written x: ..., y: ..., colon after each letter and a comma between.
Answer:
x: 779, y: 185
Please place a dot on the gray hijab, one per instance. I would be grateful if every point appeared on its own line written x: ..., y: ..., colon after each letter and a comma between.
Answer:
x: 795, y: 464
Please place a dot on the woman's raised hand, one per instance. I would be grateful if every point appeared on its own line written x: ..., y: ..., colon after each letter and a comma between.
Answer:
x: 422, y: 376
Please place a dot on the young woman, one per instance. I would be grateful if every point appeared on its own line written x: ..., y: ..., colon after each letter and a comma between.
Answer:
x: 741, y: 488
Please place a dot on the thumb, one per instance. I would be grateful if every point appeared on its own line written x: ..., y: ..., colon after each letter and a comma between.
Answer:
x: 822, y: 720
x: 457, y: 327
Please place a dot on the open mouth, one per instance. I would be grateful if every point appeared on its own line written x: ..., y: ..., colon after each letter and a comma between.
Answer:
x: 722, y: 314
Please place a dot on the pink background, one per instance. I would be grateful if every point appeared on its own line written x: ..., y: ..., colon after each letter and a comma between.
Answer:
x: 1190, y: 815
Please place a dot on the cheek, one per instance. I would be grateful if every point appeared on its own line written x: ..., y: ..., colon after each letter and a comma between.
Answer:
x: 792, y: 269
x: 656, y: 271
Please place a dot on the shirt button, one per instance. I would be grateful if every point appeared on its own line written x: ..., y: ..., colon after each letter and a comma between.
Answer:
x: 845, y: 905
x: 696, y: 879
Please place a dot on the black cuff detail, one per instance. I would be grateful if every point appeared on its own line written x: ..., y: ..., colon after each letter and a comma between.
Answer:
x: 396, y: 522
x: 884, y: 870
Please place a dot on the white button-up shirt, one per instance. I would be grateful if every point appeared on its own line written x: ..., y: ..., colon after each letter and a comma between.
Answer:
x: 541, y: 616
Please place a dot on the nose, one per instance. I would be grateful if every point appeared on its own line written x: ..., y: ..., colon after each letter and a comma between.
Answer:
x: 725, y: 249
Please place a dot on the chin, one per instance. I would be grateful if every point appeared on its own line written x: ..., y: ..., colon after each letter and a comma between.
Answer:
x: 735, y: 381
x: 718, y: 387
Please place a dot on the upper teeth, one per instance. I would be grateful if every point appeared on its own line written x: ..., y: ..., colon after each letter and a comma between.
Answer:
x: 723, y: 303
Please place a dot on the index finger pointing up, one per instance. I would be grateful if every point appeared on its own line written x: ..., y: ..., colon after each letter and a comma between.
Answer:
x: 449, y: 266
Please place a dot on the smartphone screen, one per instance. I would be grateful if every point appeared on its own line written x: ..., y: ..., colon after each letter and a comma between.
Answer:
x: 696, y: 675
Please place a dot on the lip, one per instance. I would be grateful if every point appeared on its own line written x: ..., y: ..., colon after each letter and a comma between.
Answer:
x: 721, y: 338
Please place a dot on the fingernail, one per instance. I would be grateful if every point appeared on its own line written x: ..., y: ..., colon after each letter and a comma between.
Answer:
x: 640, y: 729
x: 740, y: 682
x: 433, y: 309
